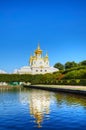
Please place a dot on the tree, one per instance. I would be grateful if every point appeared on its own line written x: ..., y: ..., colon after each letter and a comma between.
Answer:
x: 82, y: 63
x: 59, y: 66
x: 69, y: 65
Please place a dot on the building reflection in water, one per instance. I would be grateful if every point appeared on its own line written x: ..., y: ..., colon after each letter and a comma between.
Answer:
x: 39, y: 103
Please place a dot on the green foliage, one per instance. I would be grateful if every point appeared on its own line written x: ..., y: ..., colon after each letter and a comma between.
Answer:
x: 74, y: 68
x: 75, y: 74
x: 69, y: 65
x: 83, y: 63
x: 14, y: 78
x: 59, y: 66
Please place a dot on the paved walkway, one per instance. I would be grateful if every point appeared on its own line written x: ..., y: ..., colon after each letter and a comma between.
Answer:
x: 62, y: 88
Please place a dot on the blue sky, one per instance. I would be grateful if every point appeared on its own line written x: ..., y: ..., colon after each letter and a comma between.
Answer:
x: 59, y: 25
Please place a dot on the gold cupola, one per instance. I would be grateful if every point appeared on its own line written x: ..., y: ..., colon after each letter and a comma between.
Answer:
x: 38, y: 50
x: 46, y: 57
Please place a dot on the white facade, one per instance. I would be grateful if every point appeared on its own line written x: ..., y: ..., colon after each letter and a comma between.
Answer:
x: 38, y: 64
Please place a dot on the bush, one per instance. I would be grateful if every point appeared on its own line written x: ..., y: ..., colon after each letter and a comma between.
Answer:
x: 72, y: 82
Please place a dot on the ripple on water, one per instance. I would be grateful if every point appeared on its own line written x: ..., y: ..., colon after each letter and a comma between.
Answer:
x: 33, y: 109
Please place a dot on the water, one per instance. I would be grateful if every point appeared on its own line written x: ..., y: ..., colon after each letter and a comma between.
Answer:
x: 31, y: 109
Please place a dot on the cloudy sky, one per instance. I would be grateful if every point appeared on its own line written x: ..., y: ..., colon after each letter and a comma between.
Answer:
x: 59, y: 26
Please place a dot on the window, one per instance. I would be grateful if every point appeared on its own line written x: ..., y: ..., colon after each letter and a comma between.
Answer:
x: 36, y: 70
x: 40, y: 62
x: 40, y: 70
x: 45, y: 70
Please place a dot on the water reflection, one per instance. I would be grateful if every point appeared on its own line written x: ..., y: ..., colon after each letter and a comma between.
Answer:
x: 70, y: 99
x: 30, y: 107
x: 39, y: 103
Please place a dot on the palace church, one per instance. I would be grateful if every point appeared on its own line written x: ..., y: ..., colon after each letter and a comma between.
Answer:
x: 37, y: 64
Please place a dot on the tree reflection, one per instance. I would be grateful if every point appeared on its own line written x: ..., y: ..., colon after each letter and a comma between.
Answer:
x: 70, y: 99
x: 39, y: 102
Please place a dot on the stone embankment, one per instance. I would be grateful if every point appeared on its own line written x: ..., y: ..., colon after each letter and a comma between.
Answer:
x: 61, y: 88
x: 8, y: 87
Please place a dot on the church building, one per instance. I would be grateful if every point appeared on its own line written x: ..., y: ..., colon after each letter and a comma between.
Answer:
x: 37, y: 64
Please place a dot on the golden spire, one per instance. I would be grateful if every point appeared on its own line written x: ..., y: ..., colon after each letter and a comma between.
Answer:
x: 46, y: 55
x: 38, y: 50
x: 38, y: 46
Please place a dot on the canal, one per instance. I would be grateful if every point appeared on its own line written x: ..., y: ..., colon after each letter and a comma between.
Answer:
x: 30, y: 109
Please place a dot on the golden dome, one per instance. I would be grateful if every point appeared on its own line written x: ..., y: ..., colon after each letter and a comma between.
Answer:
x: 34, y: 57
x: 38, y: 50
x: 46, y: 57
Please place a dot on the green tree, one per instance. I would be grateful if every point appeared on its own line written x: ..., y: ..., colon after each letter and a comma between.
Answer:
x: 82, y: 63
x: 69, y: 65
x: 59, y: 66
